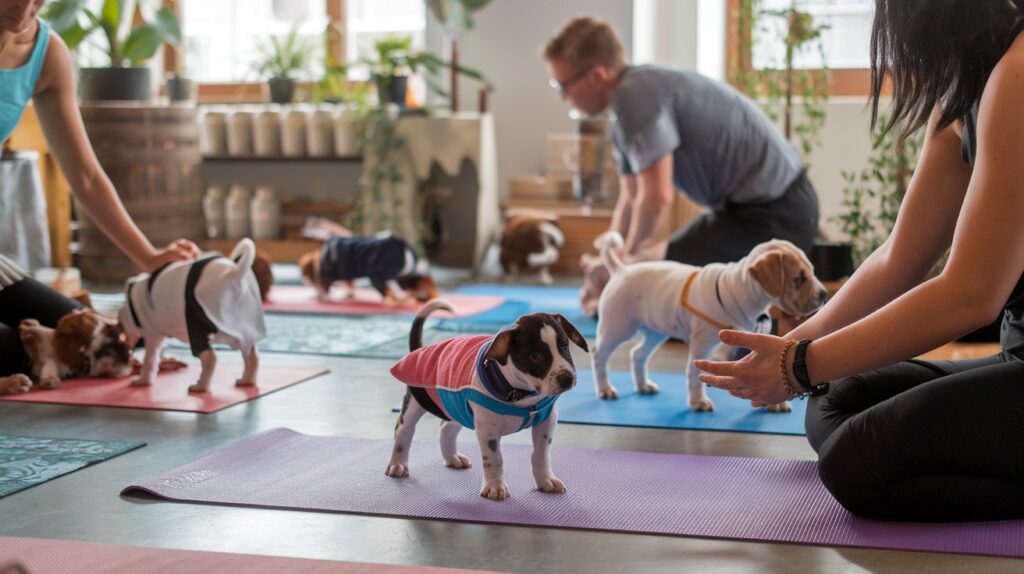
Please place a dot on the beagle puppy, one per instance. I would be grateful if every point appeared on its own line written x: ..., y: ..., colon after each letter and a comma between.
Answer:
x: 531, y: 242
x: 83, y: 343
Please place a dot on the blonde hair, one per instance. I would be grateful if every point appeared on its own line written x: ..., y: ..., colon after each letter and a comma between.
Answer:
x: 585, y: 42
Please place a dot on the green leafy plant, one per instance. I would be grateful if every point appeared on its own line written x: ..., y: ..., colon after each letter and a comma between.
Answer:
x: 284, y: 57
x: 456, y: 15
x: 778, y: 84
x: 872, y: 196
x: 127, y: 44
x: 395, y: 58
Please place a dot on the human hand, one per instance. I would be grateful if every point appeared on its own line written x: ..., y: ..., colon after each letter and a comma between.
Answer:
x: 756, y: 377
x: 178, y: 250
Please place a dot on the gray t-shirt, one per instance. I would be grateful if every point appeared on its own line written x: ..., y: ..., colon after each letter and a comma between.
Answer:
x: 723, y: 148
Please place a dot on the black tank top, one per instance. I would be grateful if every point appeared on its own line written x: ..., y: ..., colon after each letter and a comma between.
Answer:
x: 1011, y: 330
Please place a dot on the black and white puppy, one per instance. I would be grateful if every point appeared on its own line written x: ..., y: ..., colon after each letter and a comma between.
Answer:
x: 214, y: 299
x: 496, y: 385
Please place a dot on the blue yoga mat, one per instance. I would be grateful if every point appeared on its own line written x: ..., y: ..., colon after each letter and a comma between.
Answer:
x: 521, y: 300
x: 26, y: 461
x: 668, y: 409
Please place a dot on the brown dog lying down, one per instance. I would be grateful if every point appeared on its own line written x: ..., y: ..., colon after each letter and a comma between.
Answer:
x: 531, y: 242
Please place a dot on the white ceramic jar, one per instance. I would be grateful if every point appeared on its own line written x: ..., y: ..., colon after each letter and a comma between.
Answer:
x: 240, y: 133
x: 236, y: 212
x: 267, y: 133
x: 265, y: 215
x: 346, y: 133
x: 293, y: 133
x: 320, y: 132
x: 213, y: 212
x: 213, y: 135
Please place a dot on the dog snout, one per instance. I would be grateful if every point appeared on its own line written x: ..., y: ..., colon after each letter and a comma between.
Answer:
x: 565, y: 380
x: 822, y: 296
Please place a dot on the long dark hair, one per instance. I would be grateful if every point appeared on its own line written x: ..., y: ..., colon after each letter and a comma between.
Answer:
x: 937, y: 52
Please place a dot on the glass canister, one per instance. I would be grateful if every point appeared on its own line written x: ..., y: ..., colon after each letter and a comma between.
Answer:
x: 236, y: 212
x: 293, y: 132
x: 320, y: 132
x: 265, y: 215
x: 239, y: 128
x: 213, y: 212
x: 266, y: 132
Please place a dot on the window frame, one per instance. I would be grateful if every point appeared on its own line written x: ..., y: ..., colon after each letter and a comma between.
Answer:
x: 246, y: 92
x: 849, y: 82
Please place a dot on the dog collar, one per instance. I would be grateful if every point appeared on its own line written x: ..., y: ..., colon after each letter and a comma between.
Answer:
x: 495, y: 382
x: 684, y: 301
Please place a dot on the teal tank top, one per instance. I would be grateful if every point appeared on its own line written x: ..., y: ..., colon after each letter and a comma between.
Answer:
x: 18, y: 84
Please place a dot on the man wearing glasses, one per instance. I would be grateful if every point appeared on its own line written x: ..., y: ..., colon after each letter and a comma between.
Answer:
x: 677, y: 129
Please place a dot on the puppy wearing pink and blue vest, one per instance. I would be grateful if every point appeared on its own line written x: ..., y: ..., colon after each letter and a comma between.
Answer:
x: 495, y: 385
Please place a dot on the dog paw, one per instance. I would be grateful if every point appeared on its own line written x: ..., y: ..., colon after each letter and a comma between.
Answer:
x: 15, y: 384
x: 702, y: 405
x: 397, y: 470
x: 245, y: 382
x: 782, y: 407
x: 459, y: 462
x: 199, y: 388
x: 609, y: 394
x: 49, y: 383
x: 494, y: 490
x: 551, y: 485
x: 648, y: 388
x: 140, y: 382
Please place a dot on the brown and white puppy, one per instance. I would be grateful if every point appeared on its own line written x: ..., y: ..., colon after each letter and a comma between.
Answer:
x: 83, y: 343
x: 496, y: 385
x: 531, y: 242
x: 388, y: 261
x: 667, y: 299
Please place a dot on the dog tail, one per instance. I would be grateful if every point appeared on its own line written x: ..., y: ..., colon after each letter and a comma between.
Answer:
x: 611, y: 241
x: 553, y: 233
x: 416, y: 333
x: 243, y: 255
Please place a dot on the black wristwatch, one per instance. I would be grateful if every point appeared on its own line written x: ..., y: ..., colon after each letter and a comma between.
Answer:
x: 800, y: 371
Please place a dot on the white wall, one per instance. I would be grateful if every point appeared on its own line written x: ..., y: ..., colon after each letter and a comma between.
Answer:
x: 505, y: 44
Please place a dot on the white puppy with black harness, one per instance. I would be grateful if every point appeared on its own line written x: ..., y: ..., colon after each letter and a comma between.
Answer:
x: 496, y: 385
x: 663, y: 299
x: 214, y: 299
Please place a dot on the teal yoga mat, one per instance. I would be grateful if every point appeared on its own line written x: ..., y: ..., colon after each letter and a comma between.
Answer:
x: 26, y: 461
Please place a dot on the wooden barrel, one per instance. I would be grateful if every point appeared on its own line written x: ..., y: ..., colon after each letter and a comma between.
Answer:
x: 151, y: 154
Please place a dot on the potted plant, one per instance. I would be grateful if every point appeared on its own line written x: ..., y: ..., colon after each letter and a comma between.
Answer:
x: 282, y: 60
x: 457, y: 18
x: 396, y: 61
x: 130, y: 42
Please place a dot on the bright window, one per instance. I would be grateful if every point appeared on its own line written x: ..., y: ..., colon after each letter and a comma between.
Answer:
x: 222, y: 36
x: 845, y: 43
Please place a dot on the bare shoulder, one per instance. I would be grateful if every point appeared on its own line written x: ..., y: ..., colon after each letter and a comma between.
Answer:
x: 57, y: 71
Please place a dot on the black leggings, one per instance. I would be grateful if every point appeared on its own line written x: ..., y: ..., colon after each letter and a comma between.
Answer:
x: 925, y: 440
x: 729, y: 234
x: 27, y: 299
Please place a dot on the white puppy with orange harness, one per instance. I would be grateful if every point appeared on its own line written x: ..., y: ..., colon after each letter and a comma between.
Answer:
x: 663, y: 299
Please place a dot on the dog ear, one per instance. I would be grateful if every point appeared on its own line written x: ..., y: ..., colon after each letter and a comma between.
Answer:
x: 72, y: 336
x: 768, y: 270
x: 571, y: 331
x: 501, y: 346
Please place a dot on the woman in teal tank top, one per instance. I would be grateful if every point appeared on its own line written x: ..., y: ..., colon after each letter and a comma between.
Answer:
x: 35, y: 64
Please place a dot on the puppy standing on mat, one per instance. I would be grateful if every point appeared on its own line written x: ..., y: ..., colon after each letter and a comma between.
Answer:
x: 496, y: 385
x: 663, y: 299
x: 214, y: 299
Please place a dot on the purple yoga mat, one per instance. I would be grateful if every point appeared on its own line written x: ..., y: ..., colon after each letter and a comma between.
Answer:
x: 682, y: 495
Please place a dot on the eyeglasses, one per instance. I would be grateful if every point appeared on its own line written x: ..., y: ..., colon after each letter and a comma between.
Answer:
x: 562, y: 87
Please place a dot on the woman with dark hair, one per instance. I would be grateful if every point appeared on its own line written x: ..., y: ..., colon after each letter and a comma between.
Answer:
x: 923, y: 440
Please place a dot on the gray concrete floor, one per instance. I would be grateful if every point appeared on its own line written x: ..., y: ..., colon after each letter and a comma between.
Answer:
x: 355, y: 400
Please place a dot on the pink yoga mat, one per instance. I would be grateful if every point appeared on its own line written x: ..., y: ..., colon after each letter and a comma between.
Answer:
x: 641, y: 492
x: 302, y: 299
x: 42, y: 556
x: 170, y: 390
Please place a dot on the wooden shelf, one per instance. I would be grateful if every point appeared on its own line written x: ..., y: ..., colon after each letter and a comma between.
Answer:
x: 238, y: 159
x: 280, y: 251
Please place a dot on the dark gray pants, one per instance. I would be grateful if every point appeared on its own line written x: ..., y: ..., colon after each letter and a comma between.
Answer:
x: 925, y: 440
x: 729, y: 234
x: 27, y: 299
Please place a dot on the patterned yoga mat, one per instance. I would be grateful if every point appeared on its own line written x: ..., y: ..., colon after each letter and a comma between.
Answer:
x: 26, y: 461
